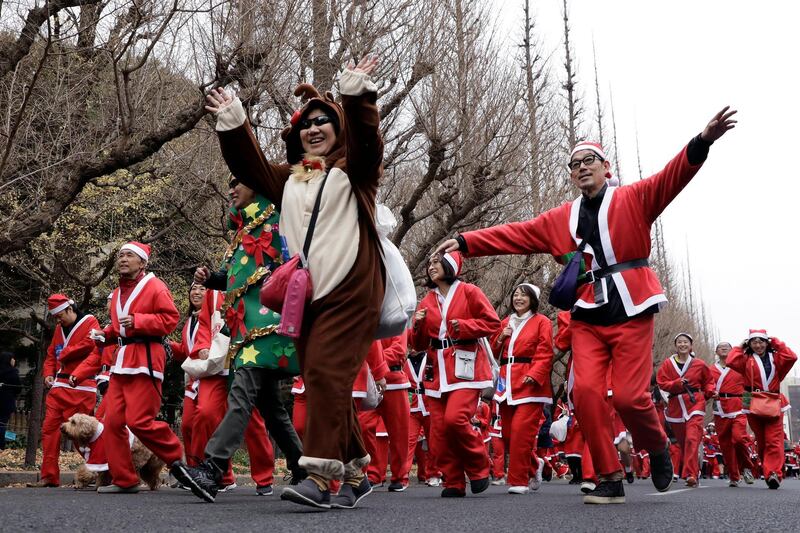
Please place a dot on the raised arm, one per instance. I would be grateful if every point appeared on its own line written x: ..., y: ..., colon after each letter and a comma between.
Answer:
x: 241, y: 150
x: 362, y: 133
x: 657, y: 191
x: 784, y: 357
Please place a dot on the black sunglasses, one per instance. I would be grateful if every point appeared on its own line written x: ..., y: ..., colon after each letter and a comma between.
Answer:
x: 318, y: 121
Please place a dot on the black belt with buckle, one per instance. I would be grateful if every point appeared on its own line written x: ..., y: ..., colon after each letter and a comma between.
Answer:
x: 441, y: 344
x: 729, y: 395
x: 124, y: 341
x: 506, y: 360
x: 592, y: 276
x: 751, y: 389
x: 395, y: 368
x: 62, y: 376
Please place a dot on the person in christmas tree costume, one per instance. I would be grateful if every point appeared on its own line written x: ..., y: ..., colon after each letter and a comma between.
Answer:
x: 260, y: 357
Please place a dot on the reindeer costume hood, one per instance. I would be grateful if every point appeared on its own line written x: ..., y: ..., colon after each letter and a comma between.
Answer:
x: 313, y: 100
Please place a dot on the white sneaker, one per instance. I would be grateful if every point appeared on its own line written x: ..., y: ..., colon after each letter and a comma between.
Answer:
x: 229, y: 488
x: 518, y: 490
x: 748, y: 476
x: 587, y: 487
x: 536, y: 481
x: 733, y: 483
x: 434, y: 481
x: 499, y: 481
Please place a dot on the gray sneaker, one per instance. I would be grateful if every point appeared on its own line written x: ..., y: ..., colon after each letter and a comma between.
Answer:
x: 349, y: 496
x: 308, y: 493
x: 748, y: 476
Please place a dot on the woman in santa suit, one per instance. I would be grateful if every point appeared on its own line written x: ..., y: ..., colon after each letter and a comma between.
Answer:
x: 525, y: 344
x: 688, y: 381
x: 449, y: 322
x: 764, y: 362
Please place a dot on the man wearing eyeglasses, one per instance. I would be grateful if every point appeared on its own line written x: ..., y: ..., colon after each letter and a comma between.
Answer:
x: 613, y: 317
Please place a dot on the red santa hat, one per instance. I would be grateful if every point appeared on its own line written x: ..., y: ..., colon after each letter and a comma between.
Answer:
x: 597, y: 149
x: 454, y: 260
x: 57, y: 303
x: 758, y: 334
x: 142, y: 250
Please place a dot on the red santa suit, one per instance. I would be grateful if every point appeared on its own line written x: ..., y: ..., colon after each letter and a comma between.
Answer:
x: 181, y: 351
x: 624, y: 219
x: 419, y: 422
x: 527, y: 353
x: 134, y: 392
x: 394, y: 408
x: 452, y: 400
x: 375, y: 364
x: 97, y: 364
x: 66, y: 351
x: 768, y: 431
x: 94, y: 453
x: 730, y: 421
x: 497, y: 457
x: 684, y: 415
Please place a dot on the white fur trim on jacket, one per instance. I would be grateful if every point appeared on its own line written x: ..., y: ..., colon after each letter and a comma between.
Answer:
x: 232, y: 116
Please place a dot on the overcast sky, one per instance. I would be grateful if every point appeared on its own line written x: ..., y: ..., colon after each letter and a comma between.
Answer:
x: 671, y: 66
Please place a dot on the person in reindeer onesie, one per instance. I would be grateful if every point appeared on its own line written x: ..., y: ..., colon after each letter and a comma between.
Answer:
x: 613, y: 314
x: 69, y: 347
x: 142, y: 314
x: 334, y: 151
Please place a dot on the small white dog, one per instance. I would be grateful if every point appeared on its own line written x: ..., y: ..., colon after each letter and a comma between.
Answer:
x: 87, y: 434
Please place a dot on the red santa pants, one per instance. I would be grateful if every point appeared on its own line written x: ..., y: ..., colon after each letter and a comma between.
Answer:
x: 134, y: 401
x: 369, y: 425
x: 574, y: 444
x: 641, y: 466
x: 769, y: 438
x: 521, y: 425
x: 628, y: 346
x: 689, y: 435
x: 458, y: 446
x: 587, y: 465
x: 498, y: 457
x: 377, y: 466
x: 299, y: 415
x: 187, y: 424
x: 420, y: 425
x: 101, y: 409
x: 394, y: 410
x: 732, y: 433
x: 61, y: 403
x: 212, y: 402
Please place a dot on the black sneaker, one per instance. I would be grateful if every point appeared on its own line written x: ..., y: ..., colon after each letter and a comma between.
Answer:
x: 453, y: 493
x: 308, y: 493
x: 396, y: 486
x: 349, y: 496
x: 629, y: 476
x: 773, y: 482
x: 478, y: 485
x: 204, y: 480
x: 661, y: 470
x: 264, y: 490
x: 606, y: 492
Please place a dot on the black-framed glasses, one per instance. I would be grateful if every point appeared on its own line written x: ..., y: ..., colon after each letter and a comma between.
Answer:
x: 318, y: 121
x: 575, y: 164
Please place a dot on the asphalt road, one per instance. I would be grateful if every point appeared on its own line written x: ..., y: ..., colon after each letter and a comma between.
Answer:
x: 556, y: 506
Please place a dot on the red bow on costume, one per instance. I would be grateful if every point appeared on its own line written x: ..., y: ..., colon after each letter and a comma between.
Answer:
x: 310, y: 164
x: 257, y: 247
x: 236, y: 218
x: 235, y: 319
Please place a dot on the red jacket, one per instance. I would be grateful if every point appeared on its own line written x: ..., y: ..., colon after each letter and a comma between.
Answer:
x: 476, y: 318
x: 97, y: 364
x: 395, y: 353
x: 670, y: 375
x: 752, y: 370
x: 533, y: 339
x: 727, y: 381
x: 154, y: 315
x: 375, y: 364
x: 625, y: 217
x: 67, y: 352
